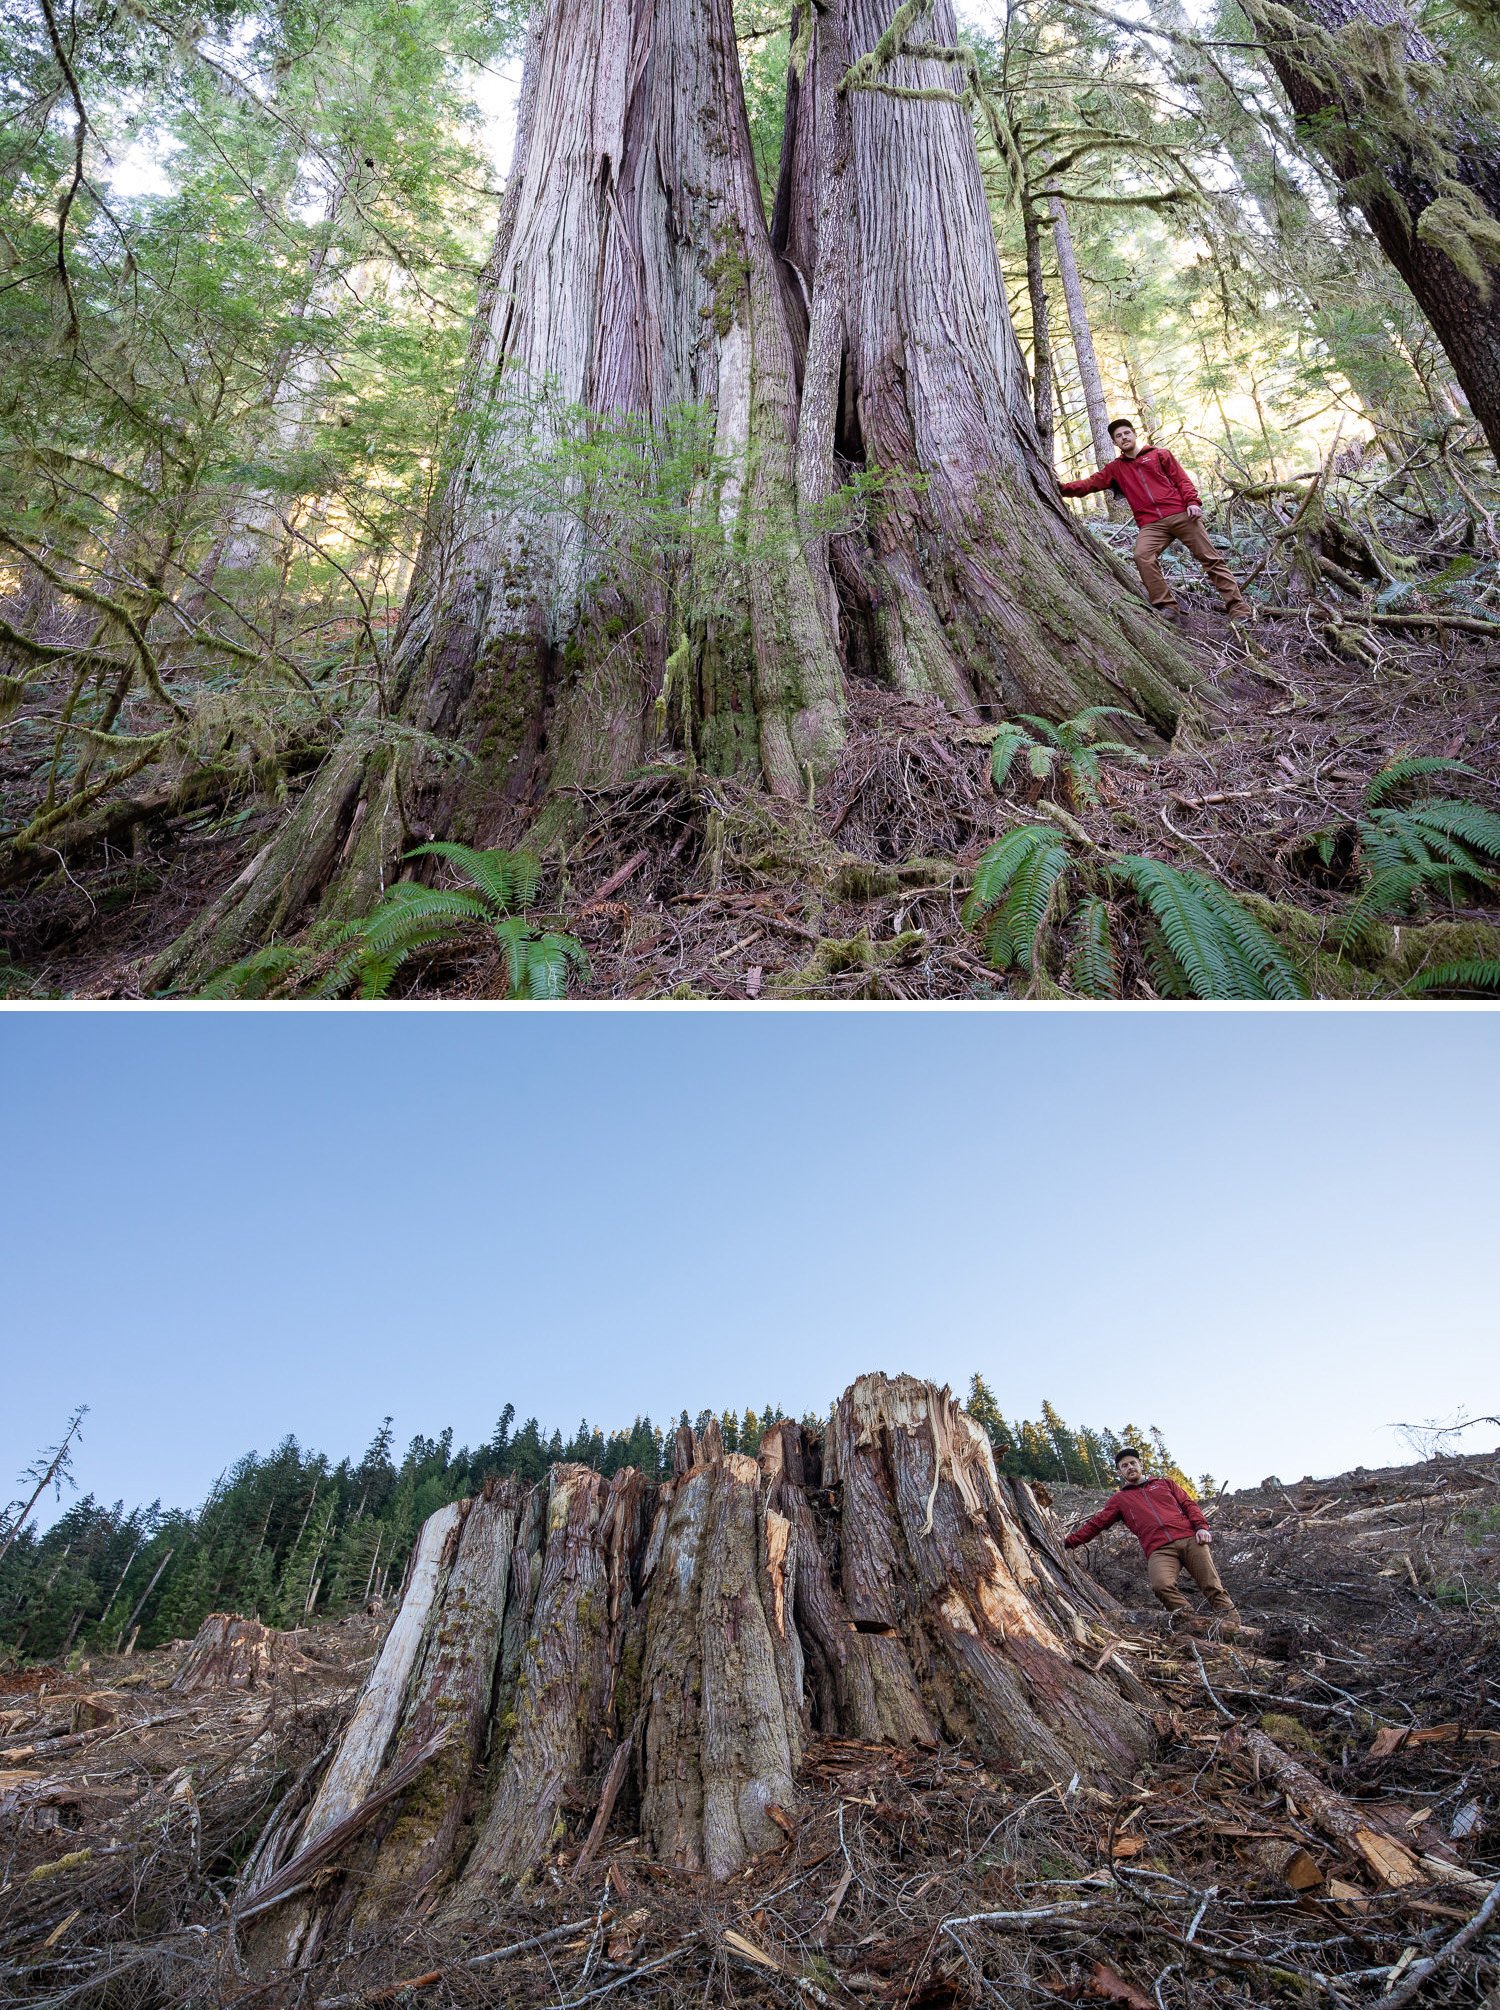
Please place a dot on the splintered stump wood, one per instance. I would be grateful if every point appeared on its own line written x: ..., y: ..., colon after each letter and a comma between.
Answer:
x: 594, y: 1651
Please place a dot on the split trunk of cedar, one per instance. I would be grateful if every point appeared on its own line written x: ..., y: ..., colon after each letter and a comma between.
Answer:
x: 633, y: 276
x: 596, y: 1651
x: 1415, y: 148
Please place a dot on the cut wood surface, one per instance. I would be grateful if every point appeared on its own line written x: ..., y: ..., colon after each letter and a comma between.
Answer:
x: 228, y: 1653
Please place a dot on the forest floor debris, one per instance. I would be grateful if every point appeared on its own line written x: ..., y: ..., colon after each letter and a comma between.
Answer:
x: 683, y: 885
x: 1374, y: 644
x: 1321, y: 1823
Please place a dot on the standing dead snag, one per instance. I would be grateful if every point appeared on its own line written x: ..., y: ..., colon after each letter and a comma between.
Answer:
x: 883, y: 1583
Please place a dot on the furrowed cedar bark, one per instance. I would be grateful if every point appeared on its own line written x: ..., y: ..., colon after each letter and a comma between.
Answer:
x: 633, y: 274
x: 661, y: 1653
x: 1415, y: 145
x: 979, y: 588
x: 632, y: 278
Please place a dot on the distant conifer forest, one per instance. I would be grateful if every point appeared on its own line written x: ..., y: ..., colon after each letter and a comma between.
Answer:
x: 292, y: 1536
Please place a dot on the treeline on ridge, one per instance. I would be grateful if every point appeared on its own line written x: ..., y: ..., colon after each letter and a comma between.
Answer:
x: 292, y: 1537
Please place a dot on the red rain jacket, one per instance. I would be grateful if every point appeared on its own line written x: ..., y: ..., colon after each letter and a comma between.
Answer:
x: 1155, y: 1512
x: 1154, y: 484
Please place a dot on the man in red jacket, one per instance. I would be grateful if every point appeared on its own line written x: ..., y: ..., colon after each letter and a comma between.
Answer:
x: 1170, y: 1528
x: 1166, y: 507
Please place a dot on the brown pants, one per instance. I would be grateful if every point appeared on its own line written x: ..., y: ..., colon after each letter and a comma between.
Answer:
x: 1153, y: 541
x: 1163, y: 1565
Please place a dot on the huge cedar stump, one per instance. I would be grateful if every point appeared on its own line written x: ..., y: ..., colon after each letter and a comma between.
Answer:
x: 664, y: 1650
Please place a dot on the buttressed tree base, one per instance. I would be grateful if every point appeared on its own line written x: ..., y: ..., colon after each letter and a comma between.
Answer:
x: 588, y: 1652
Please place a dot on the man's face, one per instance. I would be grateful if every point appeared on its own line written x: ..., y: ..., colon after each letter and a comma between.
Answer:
x: 1130, y: 1472
x: 1124, y: 439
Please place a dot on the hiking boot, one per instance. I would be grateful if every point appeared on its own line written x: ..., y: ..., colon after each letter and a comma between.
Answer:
x: 1240, y: 610
x: 1172, y: 613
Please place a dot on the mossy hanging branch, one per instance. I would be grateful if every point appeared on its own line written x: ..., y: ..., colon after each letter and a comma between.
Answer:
x: 865, y: 73
x: 115, y: 609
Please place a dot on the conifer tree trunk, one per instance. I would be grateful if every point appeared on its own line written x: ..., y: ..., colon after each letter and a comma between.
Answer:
x: 1416, y: 148
x: 1288, y: 216
x: 977, y: 585
x: 1083, y: 346
x: 668, y: 1650
x: 633, y: 275
x: 1041, y: 331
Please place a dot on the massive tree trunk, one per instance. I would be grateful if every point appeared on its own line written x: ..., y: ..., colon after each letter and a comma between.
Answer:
x: 634, y: 276
x: 656, y: 1656
x: 1416, y: 148
x: 976, y: 585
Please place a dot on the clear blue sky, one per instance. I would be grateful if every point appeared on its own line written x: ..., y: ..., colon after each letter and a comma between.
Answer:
x: 1271, y: 1234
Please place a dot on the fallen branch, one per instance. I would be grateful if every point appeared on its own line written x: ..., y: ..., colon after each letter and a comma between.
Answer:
x: 425, y: 1981
x: 1470, y: 624
x: 292, y: 1876
x: 1421, y: 1971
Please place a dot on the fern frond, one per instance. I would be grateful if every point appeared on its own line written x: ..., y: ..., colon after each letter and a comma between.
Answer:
x: 547, y: 960
x: 1264, y: 955
x: 255, y: 976
x: 1048, y: 731
x: 344, y: 973
x: 1189, y: 929
x: 507, y: 879
x: 1397, y: 773
x: 1084, y: 724
x: 1472, y: 824
x: 412, y: 916
x: 514, y: 938
x: 1461, y: 977
x: 1166, y: 972
x: 1039, y: 759
x: 1083, y: 775
x: 1095, y: 967
x: 1387, y: 842
x: 1220, y: 948
x: 1391, y: 891
x: 1007, y: 743
x: 999, y: 865
x: 1026, y: 905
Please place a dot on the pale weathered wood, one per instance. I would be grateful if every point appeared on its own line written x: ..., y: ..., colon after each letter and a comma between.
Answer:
x: 364, y: 1745
x: 450, y: 1699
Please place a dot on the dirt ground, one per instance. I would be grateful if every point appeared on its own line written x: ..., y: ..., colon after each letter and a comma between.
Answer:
x: 681, y: 885
x: 1367, y: 1676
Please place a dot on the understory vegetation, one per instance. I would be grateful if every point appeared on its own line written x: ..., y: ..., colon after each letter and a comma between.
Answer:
x: 244, y: 266
x: 291, y: 1536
